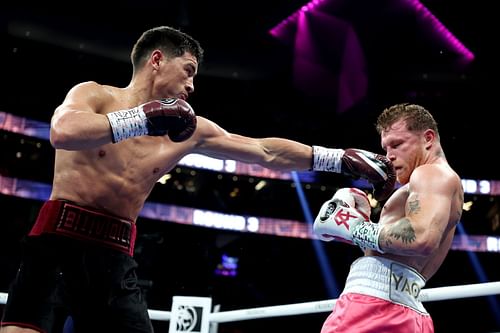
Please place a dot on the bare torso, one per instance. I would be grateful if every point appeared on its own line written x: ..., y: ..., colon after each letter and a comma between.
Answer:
x: 394, y: 209
x: 115, y: 178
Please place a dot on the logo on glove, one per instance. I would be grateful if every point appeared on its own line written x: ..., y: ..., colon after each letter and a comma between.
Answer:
x: 341, y: 217
x: 332, y: 205
x: 168, y: 101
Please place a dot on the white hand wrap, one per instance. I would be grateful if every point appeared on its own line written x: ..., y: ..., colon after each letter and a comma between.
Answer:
x: 365, y: 235
x: 326, y: 159
x: 127, y: 123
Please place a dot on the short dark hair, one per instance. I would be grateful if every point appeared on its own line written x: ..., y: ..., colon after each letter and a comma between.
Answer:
x: 170, y: 40
x: 416, y: 116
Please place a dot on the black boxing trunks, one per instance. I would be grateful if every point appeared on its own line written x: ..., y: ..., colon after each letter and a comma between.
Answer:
x: 66, y: 219
x: 78, y: 262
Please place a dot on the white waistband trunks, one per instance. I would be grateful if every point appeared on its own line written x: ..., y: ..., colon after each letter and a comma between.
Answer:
x: 386, y: 279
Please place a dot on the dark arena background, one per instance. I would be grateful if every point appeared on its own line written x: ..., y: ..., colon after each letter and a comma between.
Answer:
x: 317, y: 72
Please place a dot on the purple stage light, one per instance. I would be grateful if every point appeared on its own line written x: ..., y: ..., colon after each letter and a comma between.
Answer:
x: 442, y: 31
x: 286, y: 28
x: 280, y: 30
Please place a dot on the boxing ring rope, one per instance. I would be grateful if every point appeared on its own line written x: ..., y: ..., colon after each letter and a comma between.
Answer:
x: 426, y: 295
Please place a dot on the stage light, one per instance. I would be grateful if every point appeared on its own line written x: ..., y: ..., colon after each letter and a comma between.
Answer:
x: 260, y: 185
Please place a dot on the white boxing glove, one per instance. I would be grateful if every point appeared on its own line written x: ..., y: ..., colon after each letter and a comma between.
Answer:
x: 355, y: 198
x: 338, y: 219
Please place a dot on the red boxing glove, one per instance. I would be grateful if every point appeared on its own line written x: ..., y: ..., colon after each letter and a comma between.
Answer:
x: 376, y: 168
x: 169, y: 116
x: 358, y: 163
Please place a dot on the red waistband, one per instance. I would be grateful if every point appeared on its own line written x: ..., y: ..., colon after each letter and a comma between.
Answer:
x: 67, y: 219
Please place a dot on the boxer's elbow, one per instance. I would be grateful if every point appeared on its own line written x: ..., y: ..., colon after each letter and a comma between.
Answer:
x: 59, y: 135
x: 426, y: 245
x: 62, y: 137
x: 426, y: 249
x: 59, y: 139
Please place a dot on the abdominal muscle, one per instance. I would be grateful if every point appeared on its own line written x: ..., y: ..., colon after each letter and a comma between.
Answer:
x: 115, y: 178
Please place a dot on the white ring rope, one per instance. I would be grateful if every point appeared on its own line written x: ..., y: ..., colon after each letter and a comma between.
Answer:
x: 273, y: 311
x: 159, y: 315
x: 426, y: 295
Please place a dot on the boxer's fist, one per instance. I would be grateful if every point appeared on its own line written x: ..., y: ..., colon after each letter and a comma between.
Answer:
x: 358, y: 163
x: 375, y: 168
x: 339, y: 220
x: 355, y: 198
x: 171, y: 116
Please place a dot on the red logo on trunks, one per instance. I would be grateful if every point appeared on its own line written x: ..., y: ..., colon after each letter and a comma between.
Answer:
x: 343, y: 217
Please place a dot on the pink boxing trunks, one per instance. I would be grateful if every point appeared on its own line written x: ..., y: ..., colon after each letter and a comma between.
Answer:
x: 380, y: 295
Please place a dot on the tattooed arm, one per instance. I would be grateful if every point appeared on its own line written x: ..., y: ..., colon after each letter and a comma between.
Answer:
x: 426, y: 215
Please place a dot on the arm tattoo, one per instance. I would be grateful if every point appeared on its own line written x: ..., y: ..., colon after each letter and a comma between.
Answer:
x: 402, y: 230
x: 413, y: 206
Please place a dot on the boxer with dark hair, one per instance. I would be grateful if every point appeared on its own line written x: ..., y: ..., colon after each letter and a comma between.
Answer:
x: 412, y: 237
x: 112, y: 146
